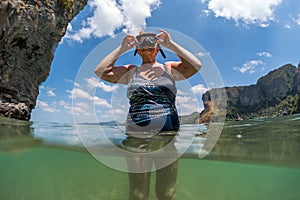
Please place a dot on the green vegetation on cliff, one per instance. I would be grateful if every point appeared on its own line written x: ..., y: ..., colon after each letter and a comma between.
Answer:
x: 275, y: 94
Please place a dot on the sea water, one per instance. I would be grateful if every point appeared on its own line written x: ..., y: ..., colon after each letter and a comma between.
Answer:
x: 253, y: 159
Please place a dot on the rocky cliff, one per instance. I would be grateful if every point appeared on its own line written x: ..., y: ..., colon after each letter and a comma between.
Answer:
x: 29, y: 34
x: 277, y: 93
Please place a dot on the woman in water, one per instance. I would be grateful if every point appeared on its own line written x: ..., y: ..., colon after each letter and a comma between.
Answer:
x: 152, y: 113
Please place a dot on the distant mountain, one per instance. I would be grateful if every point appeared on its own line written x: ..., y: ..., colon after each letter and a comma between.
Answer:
x: 275, y: 94
x: 109, y: 123
x: 189, y: 119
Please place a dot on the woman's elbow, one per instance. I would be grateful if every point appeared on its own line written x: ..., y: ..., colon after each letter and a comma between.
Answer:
x: 198, y: 65
x: 98, y: 73
x: 101, y: 71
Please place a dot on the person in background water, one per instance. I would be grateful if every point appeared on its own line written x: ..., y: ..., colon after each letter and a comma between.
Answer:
x: 152, y: 116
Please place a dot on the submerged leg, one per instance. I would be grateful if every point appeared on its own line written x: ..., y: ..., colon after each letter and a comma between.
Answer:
x: 139, y: 186
x: 166, y: 181
x: 139, y: 176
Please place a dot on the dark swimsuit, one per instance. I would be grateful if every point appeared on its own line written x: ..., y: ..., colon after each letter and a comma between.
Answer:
x: 152, y: 104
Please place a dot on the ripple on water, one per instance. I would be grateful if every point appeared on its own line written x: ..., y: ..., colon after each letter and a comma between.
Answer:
x: 241, y: 125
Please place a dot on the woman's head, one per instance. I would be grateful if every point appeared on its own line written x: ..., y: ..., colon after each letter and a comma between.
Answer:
x: 147, y: 42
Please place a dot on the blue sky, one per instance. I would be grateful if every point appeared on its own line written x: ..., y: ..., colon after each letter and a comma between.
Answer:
x: 244, y: 38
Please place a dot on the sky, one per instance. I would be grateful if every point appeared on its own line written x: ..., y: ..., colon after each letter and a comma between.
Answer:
x: 237, y: 41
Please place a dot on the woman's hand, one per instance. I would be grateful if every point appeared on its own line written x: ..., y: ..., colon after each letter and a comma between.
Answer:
x: 129, y: 42
x: 164, y: 38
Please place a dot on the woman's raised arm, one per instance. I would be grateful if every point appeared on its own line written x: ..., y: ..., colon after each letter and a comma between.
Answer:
x: 106, y: 69
x: 189, y: 64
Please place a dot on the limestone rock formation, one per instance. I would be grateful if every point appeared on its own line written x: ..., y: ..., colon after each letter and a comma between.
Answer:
x: 277, y: 93
x: 215, y: 104
x: 29, y: 34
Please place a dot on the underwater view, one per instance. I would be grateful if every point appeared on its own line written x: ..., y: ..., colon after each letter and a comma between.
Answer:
x: 253, y: 159
x: 79, y: 78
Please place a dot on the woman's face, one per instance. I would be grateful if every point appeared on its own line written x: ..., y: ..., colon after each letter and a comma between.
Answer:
x: 148, y: 51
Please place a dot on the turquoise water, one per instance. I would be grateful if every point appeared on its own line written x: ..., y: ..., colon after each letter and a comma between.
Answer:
x: 253, y: 159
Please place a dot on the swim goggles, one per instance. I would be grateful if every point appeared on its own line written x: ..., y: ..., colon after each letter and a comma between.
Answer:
x: 148, y: 40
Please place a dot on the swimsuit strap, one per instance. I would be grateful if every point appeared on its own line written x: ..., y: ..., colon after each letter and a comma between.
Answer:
x: 169, y: 73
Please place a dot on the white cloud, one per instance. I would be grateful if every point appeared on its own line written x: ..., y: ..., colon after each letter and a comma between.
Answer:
x: 44, y: 106
x: 63, y: 103
x: 93, y: 83
x: 287, y: 25
x: 264, y: 25
x: 264, y: 54
x: 83, y: 106
x: 294, y: 21
x: 250, y: 12
x: 68, y: 80
x: 110, y: 15
x: 202, y: 54
x: 250, y: 66
x: 119, y: 111
x: 107, y: 17
x: 135, y: 12
x: 205, y: 13
x: 107, y: 116
x: 80, y: 109
x: 298, y: 20
x: 77, y: 93
x: 187, y: 105
x: 199, y: 89
x: 76, y: 84
x: 180, y: 92
x: 106, y: 88
x: 101, y: 102
x: 183, y: 99
x: 51, y: 93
